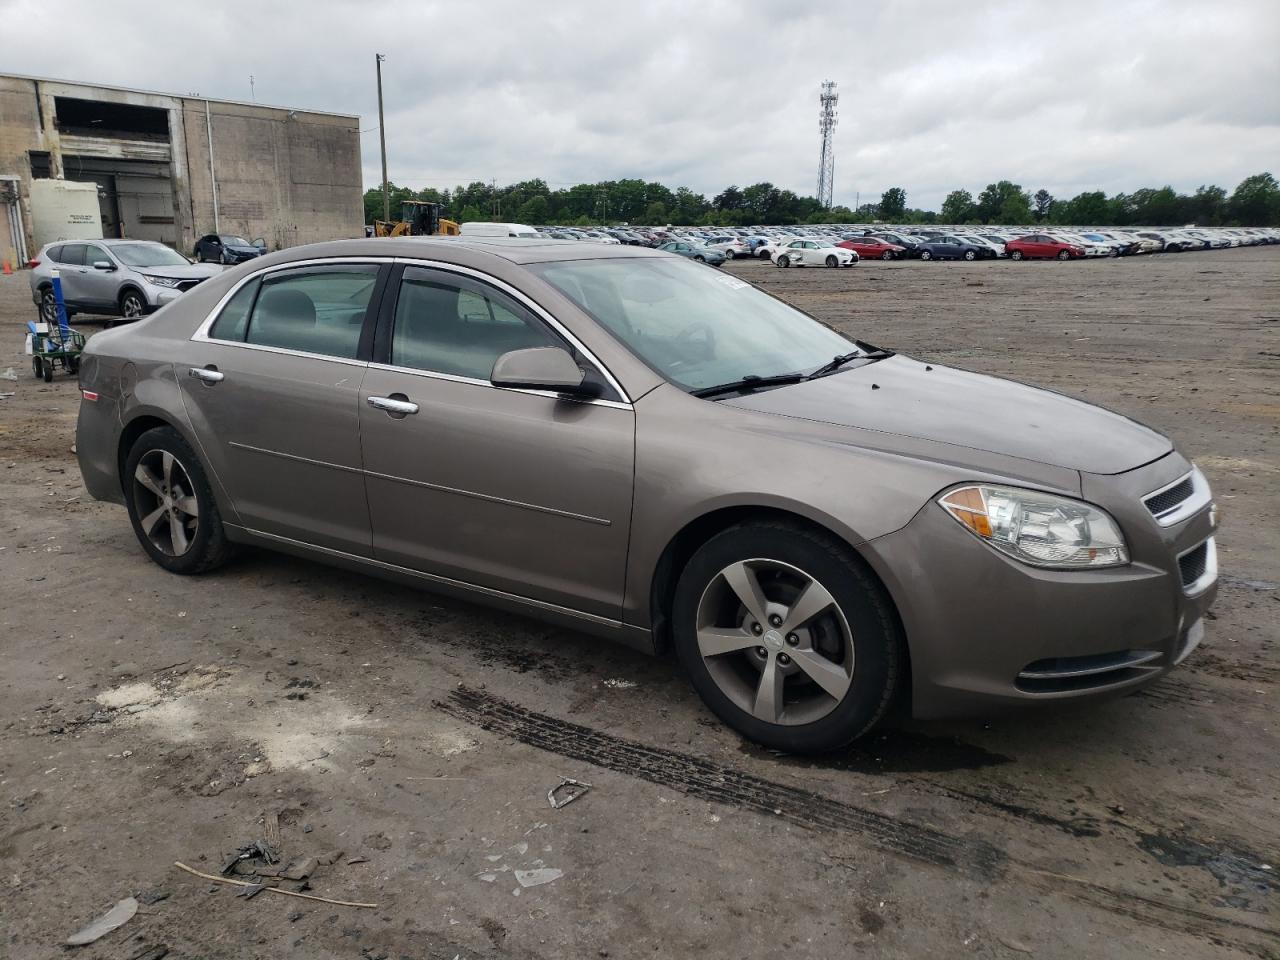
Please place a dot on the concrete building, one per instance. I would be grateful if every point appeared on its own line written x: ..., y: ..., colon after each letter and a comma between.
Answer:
x: 174, y: 168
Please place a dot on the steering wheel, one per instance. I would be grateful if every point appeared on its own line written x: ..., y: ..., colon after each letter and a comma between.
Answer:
x: 701, y: 337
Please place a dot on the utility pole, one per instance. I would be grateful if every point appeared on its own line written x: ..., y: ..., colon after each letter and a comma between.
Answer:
x: 252, y: 97
x: 827, y: 160
x: 382, y: 135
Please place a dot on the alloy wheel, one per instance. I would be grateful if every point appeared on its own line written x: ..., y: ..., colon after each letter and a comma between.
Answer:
x: 166, y: 504
x: 775, y: 642
x: 49, y: 307
x: 131, y: 306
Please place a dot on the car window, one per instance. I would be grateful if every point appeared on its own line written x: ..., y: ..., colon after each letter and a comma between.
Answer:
x: 233, y: 321
x: 93, y: 253
x: 695, y: 327
x: 447, y: 324
x: 73, y: 254
x: 54, y: 254
x: 314, y: 310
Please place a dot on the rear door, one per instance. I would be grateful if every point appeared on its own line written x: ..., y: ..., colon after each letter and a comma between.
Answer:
x: 71, y: 269
x: 272, y: 388
x: 518, y: 491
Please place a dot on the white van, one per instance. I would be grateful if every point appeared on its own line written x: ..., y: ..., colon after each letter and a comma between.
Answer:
x: 478, y: 229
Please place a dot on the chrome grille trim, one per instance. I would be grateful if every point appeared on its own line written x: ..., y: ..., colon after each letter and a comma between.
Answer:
x: 1197, y: 498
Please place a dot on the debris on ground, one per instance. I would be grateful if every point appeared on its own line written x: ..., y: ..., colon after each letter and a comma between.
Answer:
x: 8, y: 375
x: 158, y: 952
x: 241, y: 861
x: 251, y: 890
x: 565, y: 792
x: 285, y: 893
x: 151, y: 897
x: 618, y: 684
x: 536, y: 878
x: 114, y: 918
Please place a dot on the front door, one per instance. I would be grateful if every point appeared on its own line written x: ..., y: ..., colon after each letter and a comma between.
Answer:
x: 515, y: 490
x: 98, y: 287
x: 273, y: 391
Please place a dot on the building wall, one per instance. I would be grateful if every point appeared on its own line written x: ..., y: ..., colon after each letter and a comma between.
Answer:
x: 288, y: 176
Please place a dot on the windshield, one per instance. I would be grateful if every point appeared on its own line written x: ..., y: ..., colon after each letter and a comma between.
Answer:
x: 149, y: 255
x: 235, y: 241
x: 695, y: 326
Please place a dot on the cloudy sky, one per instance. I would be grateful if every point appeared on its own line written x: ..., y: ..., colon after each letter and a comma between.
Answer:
x: 934, y: 94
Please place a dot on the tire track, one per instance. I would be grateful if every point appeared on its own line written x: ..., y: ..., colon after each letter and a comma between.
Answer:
x: 706, y: 780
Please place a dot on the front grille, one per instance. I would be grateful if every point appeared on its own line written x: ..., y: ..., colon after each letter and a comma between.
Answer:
x: 1193, y: 564
x: 1166, y: 500
x: 1066, y: 674
x: 185, y: 285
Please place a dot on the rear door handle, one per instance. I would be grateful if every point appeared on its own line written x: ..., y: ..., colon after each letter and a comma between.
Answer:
x: 207, y: 374
x: 393, y: 406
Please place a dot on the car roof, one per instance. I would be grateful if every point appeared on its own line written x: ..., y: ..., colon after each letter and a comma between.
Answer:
x: 460, y: 249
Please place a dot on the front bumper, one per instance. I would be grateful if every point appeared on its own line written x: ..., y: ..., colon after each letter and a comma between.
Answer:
x: 986, y: 632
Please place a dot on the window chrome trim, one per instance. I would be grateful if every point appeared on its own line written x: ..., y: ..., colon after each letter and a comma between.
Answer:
x: 1201, y: 496
x: 530, y: 304
x: 472, y: 381
x: 201, y: 334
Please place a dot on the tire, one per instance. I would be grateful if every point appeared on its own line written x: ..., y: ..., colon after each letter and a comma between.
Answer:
x: 858, y: 626
x: 833, y: 260
x: 207, y: 545
x: 1016, y: 255
x: 700, y: 258
x: 73, y: 365
x: 48, y: 306
x: 971, y: 255
x: 762, y: 254
x: 887, y: 255
x: 784, y: 261
x: 132, y: 305
x: 1064, y: 255
x: 926, y: 255
x: 46, y: 370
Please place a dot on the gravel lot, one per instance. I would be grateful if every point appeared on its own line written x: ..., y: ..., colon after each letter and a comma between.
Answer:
x: 149, y: 718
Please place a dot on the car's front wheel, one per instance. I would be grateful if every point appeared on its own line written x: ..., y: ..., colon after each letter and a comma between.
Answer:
x: 926, y: 255
x: 1064, y: 255
x: 132, y: 305
x: 971, y: 254
x: 833, y: 260
x: 171, y: 505
x: 787, y: 636
x: 887, y: 255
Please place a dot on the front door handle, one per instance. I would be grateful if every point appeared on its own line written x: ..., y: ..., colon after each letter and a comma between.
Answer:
x: 393, y: 406
x: 207, y: 374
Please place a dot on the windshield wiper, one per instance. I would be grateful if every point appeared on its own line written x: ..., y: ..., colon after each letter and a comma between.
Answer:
x: 865, y: 351
x: 748, y: 383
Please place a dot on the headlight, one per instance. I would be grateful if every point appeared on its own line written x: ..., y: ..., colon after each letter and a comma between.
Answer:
x: 160, y: 281
x: 1039, y: 529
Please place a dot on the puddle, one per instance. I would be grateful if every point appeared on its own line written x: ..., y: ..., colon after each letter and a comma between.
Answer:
x: 1231, y: 867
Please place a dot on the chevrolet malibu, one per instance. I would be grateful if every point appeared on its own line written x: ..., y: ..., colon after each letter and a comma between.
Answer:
x: 626, y: 443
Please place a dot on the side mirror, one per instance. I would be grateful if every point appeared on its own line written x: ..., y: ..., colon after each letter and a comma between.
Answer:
x: 103, y: 265
x: 541, y: 368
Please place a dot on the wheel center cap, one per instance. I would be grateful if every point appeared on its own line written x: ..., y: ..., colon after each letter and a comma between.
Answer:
x: 773, y: 640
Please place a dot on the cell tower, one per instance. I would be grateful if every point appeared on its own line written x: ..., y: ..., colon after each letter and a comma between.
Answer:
x: 827, y: 124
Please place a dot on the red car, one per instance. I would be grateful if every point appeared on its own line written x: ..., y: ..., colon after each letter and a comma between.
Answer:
x: 1043, y: 246
x: 871, y: 248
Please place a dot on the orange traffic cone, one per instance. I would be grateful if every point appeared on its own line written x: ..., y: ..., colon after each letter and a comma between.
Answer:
x: 7, y: 269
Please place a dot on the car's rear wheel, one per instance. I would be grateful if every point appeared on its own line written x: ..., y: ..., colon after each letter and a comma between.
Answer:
x: 132, y: 305
x: 1016, y: 255
x: 971, y: 254
x: 1064, y: 254
x: 762, y: 253
x: 787, y: 636
x: 833, y: 260
x: 784, y: 261
x: 926, y: 255
x: 48, y: 306
x: 171, y: 505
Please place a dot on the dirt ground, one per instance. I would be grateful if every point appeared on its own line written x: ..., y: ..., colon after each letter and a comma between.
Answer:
x: 149, y: 718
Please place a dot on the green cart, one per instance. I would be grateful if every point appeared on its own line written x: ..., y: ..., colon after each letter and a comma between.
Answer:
x: 51, y: 346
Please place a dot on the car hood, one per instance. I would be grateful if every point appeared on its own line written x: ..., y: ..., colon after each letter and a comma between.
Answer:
x: 191, y: 271
x: 904, y: 397
x: 239, y: 249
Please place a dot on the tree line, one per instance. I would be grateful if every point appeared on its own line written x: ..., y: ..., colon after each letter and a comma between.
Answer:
x: 1255, y: 202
